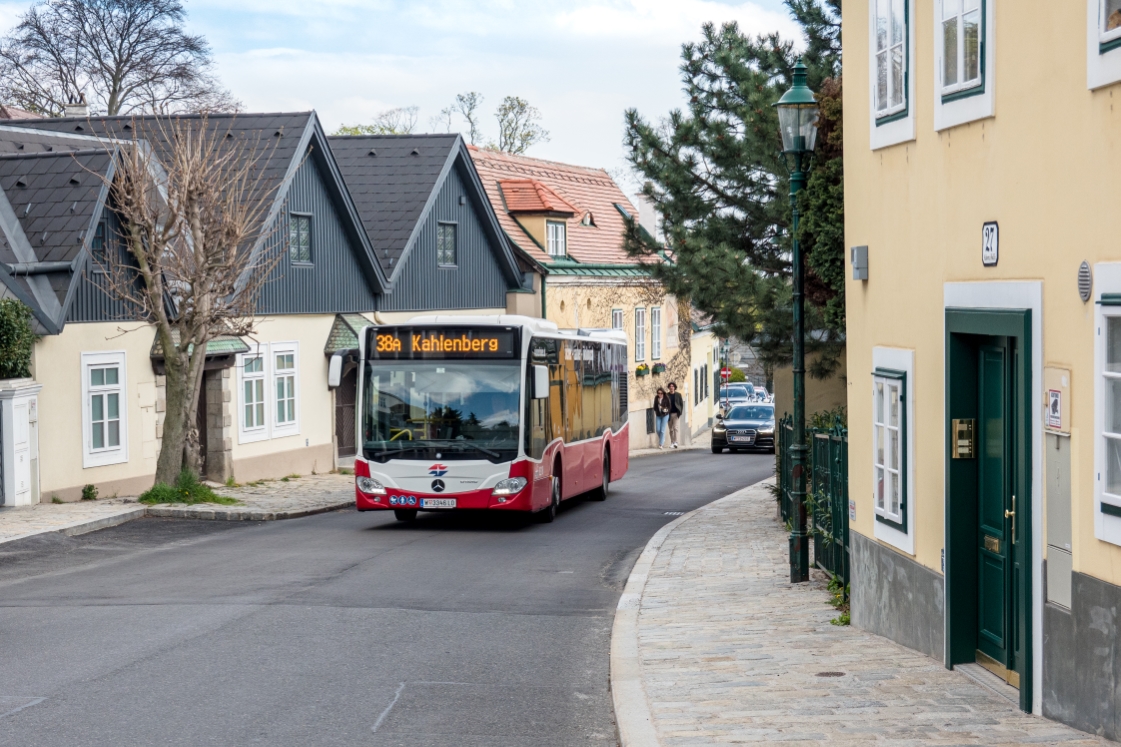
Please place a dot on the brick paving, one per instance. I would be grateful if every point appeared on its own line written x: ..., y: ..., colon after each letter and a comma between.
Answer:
x: 729, y: 652
x: 261, y: 501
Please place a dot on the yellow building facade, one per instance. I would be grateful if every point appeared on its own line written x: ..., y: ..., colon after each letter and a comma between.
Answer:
x: 983, y: 337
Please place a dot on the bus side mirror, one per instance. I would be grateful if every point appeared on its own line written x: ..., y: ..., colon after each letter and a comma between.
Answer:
x: 540, y: 382
x: 335, y: 371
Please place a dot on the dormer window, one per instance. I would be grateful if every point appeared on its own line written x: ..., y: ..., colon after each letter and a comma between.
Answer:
x: 556, y: 241
x: 588, y: 220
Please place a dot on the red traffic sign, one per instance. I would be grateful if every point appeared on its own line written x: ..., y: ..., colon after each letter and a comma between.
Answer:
x: 725, y: 372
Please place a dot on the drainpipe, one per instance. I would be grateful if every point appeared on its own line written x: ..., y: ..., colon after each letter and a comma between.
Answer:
x: 544, y: 309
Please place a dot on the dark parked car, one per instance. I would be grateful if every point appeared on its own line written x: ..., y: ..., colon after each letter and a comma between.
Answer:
x: 745, y: 427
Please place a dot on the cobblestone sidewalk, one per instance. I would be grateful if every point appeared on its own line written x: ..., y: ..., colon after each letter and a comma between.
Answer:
x: 727, y: 651
x: 260, y: 501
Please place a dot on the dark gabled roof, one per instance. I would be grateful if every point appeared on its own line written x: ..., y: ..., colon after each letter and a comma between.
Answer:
x: 276, y: 137
x: 279, y: 142
x: 394, y: 180
x: 54, y: 196
x: 50, y: 201
x: 391, y: 178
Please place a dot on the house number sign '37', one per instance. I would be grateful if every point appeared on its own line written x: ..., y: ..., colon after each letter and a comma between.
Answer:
x: 990, y: 244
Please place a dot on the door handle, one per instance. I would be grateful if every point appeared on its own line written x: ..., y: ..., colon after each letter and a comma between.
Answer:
x: 1012, y: 515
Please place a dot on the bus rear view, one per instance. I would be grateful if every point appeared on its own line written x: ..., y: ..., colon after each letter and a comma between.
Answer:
x: 457, y: 414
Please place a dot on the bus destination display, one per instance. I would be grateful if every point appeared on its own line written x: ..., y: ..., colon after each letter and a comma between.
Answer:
x: 445, y: 342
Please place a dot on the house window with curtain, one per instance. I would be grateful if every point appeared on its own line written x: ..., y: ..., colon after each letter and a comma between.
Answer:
x: 656, y: 333
x: 889, y: 447
x: 1110, y: 24
x: 104, y: 409
x: 962, y: 31
x: 299, y: 238
x: 445, y: 245
x: 640, y: 334
x: 556, y: 241
x: 891, y: 58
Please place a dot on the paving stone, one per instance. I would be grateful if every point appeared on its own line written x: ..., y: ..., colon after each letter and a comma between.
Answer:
x: 730, y: 650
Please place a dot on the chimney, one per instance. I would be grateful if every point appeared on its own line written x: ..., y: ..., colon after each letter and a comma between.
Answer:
x: 77, y: 108
x: 648, y: 217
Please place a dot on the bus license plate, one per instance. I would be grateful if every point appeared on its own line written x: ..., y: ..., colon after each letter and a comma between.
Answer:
x: 742, y: 439
x: 437, y: 502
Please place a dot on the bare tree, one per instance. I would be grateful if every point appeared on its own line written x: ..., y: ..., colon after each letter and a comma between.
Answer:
x: 193, y: 225
x: 399, y: 121
x: 519, y: 126
x: 122, y: 56
x: 467, y: 106
x: 442, y: 120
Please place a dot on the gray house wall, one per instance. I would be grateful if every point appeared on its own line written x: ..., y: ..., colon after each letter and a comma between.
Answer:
x: 92, y: 302
x: 476, y: 282
x: 334, y: 282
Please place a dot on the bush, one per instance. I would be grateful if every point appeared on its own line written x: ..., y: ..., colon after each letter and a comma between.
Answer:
x: 89, y: 493
x: 187, y: 489
x: 737, y: 376
x: 16, y: 339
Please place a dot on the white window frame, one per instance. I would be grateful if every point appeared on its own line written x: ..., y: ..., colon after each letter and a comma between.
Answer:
x: 640, y: 334
x: 1107, y: 282
x: 1103, y: 59
x: 961, y: 86
x: 247, y: 434
x: 108, y: 455
x: 901, y: 537
x: 979, y: 105
x: 655, y: 333
x: 617, y: 319
x: 886, y: 55
x: 276, y: 349
x: 269, y: 375
x: 556, y: 238
x: 891, y: 128
x: 889, y: 428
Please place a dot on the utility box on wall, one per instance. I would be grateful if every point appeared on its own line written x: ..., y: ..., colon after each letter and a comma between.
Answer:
x: 19, y: 442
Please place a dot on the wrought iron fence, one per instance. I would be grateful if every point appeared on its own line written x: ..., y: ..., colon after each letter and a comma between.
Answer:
x: 827, y: 492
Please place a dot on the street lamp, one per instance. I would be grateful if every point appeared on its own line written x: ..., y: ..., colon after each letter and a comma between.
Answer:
x: 797, y: 118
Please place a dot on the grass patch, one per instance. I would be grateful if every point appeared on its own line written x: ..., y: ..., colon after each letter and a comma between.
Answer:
x: 89, y: 493
x: 187, y: 489
x: 55, y: 499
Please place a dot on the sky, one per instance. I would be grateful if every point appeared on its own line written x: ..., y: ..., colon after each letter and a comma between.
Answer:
x: 582, y: 63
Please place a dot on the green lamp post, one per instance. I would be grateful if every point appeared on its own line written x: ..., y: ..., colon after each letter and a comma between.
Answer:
x: 797, y: 118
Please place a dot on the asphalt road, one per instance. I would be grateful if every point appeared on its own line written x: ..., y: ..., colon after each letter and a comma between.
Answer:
x: 337, y: 629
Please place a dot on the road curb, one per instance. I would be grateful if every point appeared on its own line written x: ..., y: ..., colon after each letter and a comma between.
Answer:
x: 169, y: 512
x: 633, y: 719
x: 236, y: 514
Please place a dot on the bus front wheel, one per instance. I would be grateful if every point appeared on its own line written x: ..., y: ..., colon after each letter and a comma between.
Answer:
x: 547, y: 514
x: 600, y: 493
x: 405, y: 514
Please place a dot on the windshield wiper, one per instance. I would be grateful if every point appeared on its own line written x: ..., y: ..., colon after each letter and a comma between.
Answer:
x: 468, y: 445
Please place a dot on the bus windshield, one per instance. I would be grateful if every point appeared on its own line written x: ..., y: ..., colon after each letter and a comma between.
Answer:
x: 446, y: 409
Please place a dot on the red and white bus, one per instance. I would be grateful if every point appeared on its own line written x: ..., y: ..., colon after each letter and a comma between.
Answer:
x: 504, y: 413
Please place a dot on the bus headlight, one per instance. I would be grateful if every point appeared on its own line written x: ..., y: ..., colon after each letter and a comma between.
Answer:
x: 370, y: 486
x: 509, y: 486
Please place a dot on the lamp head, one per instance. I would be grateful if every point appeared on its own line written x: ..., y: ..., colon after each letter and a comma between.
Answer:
x: 797, y: 114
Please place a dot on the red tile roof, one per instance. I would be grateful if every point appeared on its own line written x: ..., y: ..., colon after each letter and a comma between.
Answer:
x: 583, y: 189
x: 530, y: 196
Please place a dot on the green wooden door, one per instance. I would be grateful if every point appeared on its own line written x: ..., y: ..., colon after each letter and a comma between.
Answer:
x: 995, y: 473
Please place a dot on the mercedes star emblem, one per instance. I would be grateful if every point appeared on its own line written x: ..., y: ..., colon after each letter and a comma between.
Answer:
x: 438, y: 486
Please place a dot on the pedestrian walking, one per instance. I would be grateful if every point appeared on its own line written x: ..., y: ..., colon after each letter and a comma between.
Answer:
x: 661, y: 416
x: 676, y: 410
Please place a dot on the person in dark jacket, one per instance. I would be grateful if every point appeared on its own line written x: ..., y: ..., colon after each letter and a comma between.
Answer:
x: 676, y: 410
x: 661, y: 416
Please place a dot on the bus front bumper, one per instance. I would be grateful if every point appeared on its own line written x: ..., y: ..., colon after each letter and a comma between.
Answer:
x: 397, y: 499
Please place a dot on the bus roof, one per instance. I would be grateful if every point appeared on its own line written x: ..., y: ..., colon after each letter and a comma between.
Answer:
x: 531, y: 324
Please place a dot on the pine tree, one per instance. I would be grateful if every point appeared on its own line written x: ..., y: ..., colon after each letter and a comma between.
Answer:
x: 716, y: 176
